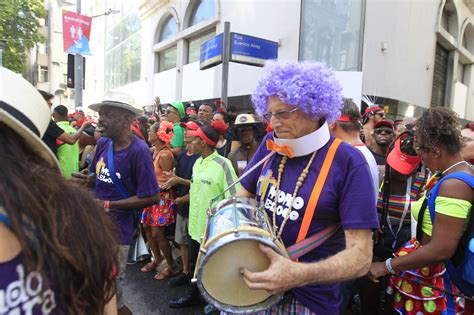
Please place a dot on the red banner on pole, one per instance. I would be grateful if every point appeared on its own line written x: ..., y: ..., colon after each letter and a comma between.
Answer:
x: 76, y: 33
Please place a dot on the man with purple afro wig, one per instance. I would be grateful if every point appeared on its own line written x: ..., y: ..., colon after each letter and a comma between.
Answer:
x: 315, y: 188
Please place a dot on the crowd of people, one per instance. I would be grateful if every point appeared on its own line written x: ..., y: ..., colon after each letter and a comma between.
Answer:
x: 392, y: 197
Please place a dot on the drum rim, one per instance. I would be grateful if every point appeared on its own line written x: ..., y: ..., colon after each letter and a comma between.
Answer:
x: 251, y: 201
x: 219, y: 243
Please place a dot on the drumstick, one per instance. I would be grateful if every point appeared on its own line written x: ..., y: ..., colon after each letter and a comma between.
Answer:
x: 269, y: 155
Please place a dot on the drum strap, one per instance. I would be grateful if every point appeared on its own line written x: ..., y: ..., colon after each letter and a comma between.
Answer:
x: 299, y: 249
x: 312, y: 203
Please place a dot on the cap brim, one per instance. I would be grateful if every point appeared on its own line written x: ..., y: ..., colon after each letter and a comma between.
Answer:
x: 190, y: 125
x: 383, y: 123
x: 402, y: 164
x: 192, y: 133
x: 34, y: 142
x: 402, y: 167
x: 96, y: 107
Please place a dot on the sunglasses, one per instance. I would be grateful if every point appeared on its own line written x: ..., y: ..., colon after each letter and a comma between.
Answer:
x: 282, y: 114
x: 379, y: 131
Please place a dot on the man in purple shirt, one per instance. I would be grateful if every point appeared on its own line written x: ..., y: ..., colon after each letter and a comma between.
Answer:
x: 299, y: 100
x: 129, y: 183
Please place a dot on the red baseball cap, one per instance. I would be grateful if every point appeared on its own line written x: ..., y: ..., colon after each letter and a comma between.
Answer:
x: 401, y: 162
x: 190, y: 125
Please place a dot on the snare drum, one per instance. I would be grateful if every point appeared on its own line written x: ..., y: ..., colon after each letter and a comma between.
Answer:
x: 235, y: 228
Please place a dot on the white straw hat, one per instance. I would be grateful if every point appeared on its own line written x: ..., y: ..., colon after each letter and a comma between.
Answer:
x: 120, y: 100
x: 23, y: 109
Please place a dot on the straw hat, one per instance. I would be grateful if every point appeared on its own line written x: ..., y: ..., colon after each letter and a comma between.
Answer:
x: 243, y: 120
x: 23, y: 109
x: 119, y: 100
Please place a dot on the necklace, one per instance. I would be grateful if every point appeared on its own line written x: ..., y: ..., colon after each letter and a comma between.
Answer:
x: 454, y: 165
x: 299, y: 183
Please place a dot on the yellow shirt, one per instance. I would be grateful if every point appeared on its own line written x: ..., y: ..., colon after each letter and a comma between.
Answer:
x: 452, y: 207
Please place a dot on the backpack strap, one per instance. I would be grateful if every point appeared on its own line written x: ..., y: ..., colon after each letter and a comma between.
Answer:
x: 110, y: 161
x: 466, y: 178
x: 451, y: 274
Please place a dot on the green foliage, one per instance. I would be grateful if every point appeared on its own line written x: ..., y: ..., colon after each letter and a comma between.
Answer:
x: 19, y: 24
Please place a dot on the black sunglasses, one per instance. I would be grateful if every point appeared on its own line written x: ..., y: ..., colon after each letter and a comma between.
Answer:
x: 380, y: 130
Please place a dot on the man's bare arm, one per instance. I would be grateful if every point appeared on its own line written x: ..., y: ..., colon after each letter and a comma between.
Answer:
x: 244, y: 193
x: 284, y: 274
x: 134, y: 202
x: 353, y: 262
x: 72, y: 139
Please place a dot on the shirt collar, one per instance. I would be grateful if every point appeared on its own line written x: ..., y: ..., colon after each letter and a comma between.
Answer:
x: 307, y: 143
x: 210, y: 157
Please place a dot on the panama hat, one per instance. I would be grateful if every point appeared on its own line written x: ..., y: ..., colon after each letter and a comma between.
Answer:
x: 243, y: 120
x: 23, y: 109
x: 118, y: 100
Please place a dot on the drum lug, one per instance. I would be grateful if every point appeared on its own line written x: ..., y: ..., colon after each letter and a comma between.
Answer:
x: 236, y: 232
x: 194, y: 280
x: 203, y: 251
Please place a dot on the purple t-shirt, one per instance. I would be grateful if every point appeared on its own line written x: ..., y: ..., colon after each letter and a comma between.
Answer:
x: 347, y: 198
x: 134, y: 168
x: 22, y: 293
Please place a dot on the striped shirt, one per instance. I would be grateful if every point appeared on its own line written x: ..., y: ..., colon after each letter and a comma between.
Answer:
x: 396, y: 203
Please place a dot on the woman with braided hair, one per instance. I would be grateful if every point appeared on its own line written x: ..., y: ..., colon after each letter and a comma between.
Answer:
x: 418, y: 268
x: 157, y: 217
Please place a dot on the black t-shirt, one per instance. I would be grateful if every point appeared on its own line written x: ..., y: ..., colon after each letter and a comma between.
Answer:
x: 225, y: 150
x: 184, y: 169
x: 52, y: 133
x: 380, y: 159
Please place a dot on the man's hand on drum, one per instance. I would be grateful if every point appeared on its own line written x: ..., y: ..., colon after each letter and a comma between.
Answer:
x: 281, y: 275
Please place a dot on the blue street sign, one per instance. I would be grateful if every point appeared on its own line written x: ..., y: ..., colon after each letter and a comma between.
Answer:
x: 211, y: 52
x: 252, y: 50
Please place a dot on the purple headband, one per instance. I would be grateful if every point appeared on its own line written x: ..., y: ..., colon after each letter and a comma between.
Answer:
x: 310, y: 86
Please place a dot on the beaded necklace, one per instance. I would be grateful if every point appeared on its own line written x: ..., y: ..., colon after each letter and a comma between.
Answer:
x: 299, y: 183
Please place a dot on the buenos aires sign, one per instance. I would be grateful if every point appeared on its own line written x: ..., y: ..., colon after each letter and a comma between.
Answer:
x: 252, y: 50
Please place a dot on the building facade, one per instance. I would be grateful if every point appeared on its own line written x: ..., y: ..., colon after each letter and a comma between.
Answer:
x: 412, y: 54
x: 409, y: 55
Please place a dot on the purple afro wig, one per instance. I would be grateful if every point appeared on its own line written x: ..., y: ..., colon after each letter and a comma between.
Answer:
x: 310, y: 86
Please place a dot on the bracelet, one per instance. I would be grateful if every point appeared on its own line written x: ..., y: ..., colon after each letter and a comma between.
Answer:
x: 388, y: 264
x: 106, y: 205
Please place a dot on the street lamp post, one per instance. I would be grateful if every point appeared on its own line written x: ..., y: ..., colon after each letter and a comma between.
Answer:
x: 2, y: 47
x: 79, y: 65
x: 78, y: 73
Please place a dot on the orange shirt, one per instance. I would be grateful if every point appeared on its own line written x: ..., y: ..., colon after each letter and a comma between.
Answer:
x: 160, y: 176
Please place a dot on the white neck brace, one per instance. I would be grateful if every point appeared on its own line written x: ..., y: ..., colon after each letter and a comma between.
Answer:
x: 306, y: 144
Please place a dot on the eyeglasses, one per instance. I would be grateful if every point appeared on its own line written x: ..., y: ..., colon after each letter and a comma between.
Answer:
x: 282, y: 114
x: 379, y: 131
x: 382, y: 114
x: 170, y: 111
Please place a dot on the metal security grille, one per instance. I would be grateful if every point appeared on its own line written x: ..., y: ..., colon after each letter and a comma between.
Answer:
x: 440, y: 77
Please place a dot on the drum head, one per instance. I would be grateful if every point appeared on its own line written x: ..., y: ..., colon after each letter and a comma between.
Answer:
x: 221, y: 276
